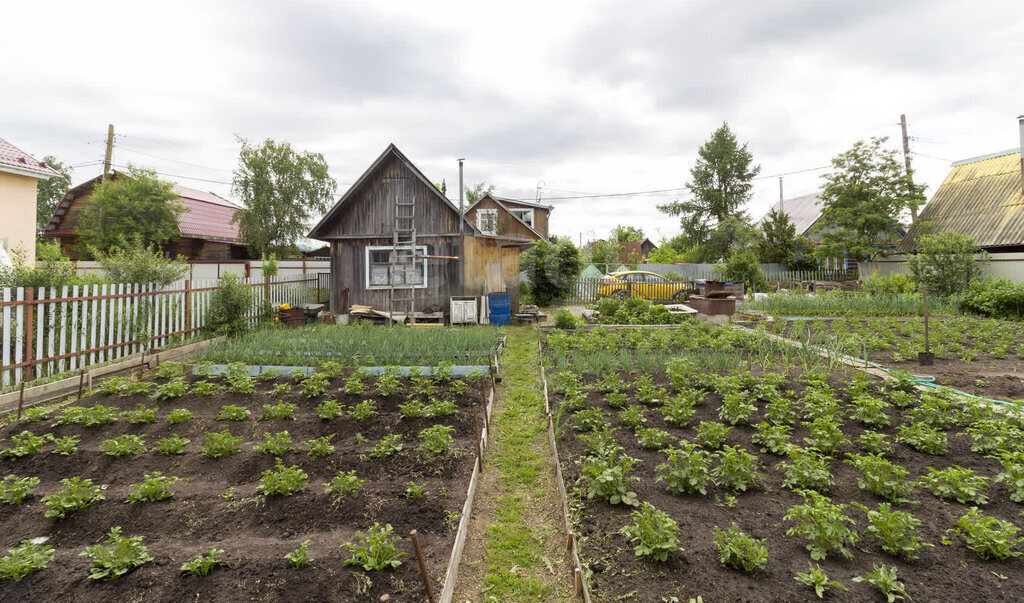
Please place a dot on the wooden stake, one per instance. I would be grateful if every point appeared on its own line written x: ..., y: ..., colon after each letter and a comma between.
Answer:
x: 479, y: 448
x: 568, y: 541
x: 142, y: 363
x: 423, y: 565
x: 578, y: 579
x: 483, y: 400
x: 21, y: 399
x: 81, y: 382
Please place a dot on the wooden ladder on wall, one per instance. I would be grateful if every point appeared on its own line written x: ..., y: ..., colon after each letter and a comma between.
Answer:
x: 403, y: 267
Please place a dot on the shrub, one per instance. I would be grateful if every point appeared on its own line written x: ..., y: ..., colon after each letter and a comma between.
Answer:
x: 387, y: 446
x: 687, y: 470
x: 300, y: 558
x: 737, y: 469
x: 132, y: 261
x: 282, y: 411
x: 880, y: 476
x: 739, y: 550
x: 230, y: 306
x: 816, y: 578
x: 203, y: 564
x: 995, y: 297
x: 564, y: 319
x: 65, y: 446
x: 885, y: 579
x: 153, y: 488
x: 14, y: 489
x: 806, y: 470
x: 874, y: 284
x: 320, y: 446
x: 437, y: 439
x: 345, y: 483
x: 895, y: 531
x: 281, y: 480
x: 956, y: 483
x: 24, y: 560
x: 987, y: 536
x: 375, y: 550
x: 654, y: 533
x: 125, y: 445
x: 171, y: 445
x: 218, y: 444
x: 606, y: 475
x: 823, y: 524
x: 180, y: 415
x: 120, y: 555
x: 76, y: 495
x: 275, y: 444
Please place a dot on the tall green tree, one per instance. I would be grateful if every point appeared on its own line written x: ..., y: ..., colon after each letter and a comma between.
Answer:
x: 777, y: 244
x: 720, y: 183
x: 282, y: 190
x: 50, y: 191
x: 627, y: 234
x: 477, y: 191
x: 136, y: 205
x: 551, y: 268
x: 732, y: 232
x: 863, y: 197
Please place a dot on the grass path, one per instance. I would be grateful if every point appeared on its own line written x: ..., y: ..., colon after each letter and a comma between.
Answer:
x: 515, y: 549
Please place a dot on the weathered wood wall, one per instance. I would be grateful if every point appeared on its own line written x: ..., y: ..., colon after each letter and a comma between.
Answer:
x: 540, y: 216
x: 480, y: 251
x: 508, y: 226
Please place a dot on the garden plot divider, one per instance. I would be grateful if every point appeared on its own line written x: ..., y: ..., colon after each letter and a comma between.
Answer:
x: 579, y: 578
x: 51, y: 330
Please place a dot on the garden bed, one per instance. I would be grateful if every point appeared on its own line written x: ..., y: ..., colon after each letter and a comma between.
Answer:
x: 943, y: 572
x: 219, y: 505
x: 980, y: 356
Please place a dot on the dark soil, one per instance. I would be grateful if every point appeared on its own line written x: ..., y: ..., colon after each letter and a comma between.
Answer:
x: 985, y: 376
x: 943, y: 573
x: 255, y: 531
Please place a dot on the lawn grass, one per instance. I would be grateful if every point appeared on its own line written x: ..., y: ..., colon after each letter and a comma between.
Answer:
x: 525, y: 537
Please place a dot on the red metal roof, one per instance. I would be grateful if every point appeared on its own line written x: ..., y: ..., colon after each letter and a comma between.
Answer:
x: 209, y: 216
x: 13, y: 159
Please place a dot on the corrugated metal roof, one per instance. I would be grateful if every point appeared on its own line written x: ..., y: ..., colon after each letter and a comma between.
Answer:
x: 980, y: 198
x: 803, y: 212
x: 13, y: 159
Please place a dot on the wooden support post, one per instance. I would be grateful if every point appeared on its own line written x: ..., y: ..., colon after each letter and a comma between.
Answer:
x: 30, y: 307
x: 483, y: 400
x: 568, y: 542
x: 578, y: 581
x: 479, y: 448
x: 81, y: 382
x: 142, y: 363
x: 21, y: 400
x: 423, y: 565
x: 188, y: 307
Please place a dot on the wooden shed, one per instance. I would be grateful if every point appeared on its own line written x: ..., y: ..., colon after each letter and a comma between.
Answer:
x: 398, y: 244
x: 510, y: 217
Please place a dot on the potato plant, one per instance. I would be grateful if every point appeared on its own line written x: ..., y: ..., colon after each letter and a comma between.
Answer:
x: 14, y: 489
x: 881, y: 477
x: 320, y: 446
x: 739, y: 550
x: 203, y: 564
x: 737, y: 469
x: 436, y: 439
x: 654, y: 533
x: 220, y: 444
x: 956, y: 483
x: 806, y: 470
x: 989, y: 537
x: 711, y: 435
x: 24, y: 560
x: 282, y: 411
x: 374, y: 550
x: 77, y: 494
x: 180, y: 415
x: 823, y: 524
x: 687, y: 470
x: 895, y: 531
x: 232, y: 412
x: 126, y: 445
x: 884, y: 578
x: 154, y: 487
x: 171, y: 445
x: 282, y: 481
x: 345, y: 483
x: 275, y: 444
x: 299, y: 558
x: 389, y: 445
x: 606, y: 475
x: 816, y: 578
x: 117, y: 556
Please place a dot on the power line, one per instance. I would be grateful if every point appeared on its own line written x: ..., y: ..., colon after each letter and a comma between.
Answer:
x: 131, y: 150
x: 180, y: 176
x: 931, y: 157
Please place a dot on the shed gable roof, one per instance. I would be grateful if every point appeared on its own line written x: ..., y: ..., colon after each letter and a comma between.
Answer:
x: 501, y: 202
x: 332, y: 214
x: 980, y: 197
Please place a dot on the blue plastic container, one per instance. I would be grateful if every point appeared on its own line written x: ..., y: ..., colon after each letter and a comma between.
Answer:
x: 500, y: 305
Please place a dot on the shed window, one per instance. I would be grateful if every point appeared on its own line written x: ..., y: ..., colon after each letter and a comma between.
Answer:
x: 487, y: 221
x: 379, y: 273
x: 526, y: 215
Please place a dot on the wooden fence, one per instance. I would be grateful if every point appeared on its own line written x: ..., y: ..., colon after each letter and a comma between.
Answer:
x: 52, y: 330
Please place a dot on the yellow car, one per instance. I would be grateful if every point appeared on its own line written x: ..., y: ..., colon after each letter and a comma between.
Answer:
x: 648, y: 285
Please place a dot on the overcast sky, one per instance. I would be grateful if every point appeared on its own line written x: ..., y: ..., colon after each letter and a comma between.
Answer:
x: 571, y: 97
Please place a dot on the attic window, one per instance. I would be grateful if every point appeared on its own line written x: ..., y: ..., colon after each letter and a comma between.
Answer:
x: 526, y: 215
x: 487, y: 221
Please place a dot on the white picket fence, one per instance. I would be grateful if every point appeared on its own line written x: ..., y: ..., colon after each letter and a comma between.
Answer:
x: 48, y: 331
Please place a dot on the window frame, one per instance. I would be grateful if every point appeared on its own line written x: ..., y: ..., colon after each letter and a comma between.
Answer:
x: 420, y: 249
x: 489, y: 211
x: 525, y: 211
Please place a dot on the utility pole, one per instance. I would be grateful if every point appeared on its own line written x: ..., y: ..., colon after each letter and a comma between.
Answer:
x: 110, y: 151
x: 906, y: 158
x: 462, y: 191
x: 782, y: 207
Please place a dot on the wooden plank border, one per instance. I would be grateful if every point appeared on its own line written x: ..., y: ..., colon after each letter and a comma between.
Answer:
x: 579, y: 577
